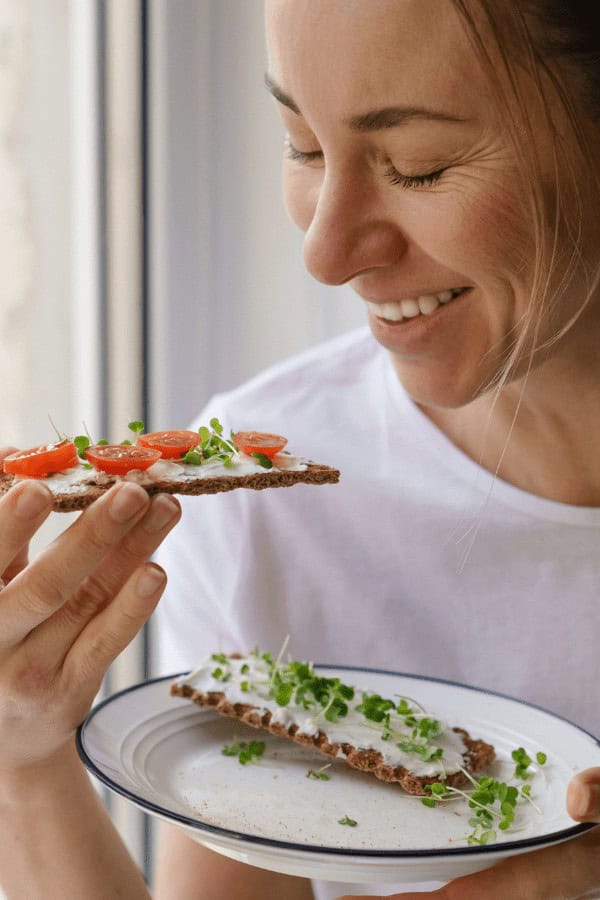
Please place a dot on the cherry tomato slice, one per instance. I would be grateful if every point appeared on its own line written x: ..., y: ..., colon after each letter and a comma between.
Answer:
x: 41, y: 461
x: 172, y: 444
x: 257, y: 442
x: 118, y: 459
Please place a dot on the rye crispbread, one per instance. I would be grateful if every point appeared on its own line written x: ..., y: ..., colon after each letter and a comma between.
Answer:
x: 78, y: 498
x: 477, y: 757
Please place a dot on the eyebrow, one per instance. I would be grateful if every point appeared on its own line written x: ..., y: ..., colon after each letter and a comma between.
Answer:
x: 374, y: 120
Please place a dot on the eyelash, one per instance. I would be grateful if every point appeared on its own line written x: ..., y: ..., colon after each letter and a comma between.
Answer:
x: 392, y: 174
x: 300, y: 155
x: 413, y: 181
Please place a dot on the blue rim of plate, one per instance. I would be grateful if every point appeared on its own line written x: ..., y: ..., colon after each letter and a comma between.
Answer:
x: 197, y: 824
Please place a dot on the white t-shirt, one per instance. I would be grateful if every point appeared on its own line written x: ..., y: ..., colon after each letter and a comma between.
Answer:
x: 372, y: 571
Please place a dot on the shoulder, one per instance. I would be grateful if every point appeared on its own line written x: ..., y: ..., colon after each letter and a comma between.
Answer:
x: 314, y: 378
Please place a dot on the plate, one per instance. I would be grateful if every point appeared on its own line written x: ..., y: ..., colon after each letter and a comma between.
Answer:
x: 163, y: 754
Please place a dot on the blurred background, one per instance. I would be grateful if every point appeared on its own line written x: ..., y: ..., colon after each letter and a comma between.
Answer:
x: 146, y: 258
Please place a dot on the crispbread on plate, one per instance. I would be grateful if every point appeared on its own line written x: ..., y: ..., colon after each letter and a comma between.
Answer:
x: 248, y: 688
x: 77, y: 472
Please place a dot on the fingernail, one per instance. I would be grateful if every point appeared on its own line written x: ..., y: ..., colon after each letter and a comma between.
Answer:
x: 163, y: 510
x: 150, y: 581
x: 33, y: 499
x: 127, y: 502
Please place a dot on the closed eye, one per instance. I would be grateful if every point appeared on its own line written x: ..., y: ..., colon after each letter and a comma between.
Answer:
x: 413, y: 181
x: 391, y: 173
x: 302, y: 156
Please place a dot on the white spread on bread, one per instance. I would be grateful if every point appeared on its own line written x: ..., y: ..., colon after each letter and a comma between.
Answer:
x: 72, y: 480
x: 352, y: 729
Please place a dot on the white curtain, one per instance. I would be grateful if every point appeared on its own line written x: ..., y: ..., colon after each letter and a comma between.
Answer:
x: 229, y: 290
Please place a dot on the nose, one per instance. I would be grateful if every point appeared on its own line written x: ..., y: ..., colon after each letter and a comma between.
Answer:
x: 351, y: 231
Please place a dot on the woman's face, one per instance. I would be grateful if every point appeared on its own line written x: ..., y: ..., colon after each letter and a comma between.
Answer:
x: 403, y: 179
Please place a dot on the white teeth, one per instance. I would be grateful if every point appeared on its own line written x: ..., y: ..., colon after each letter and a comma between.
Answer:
x: 390, y: 311
x: 410, y: 308
x: 397, y: 310
x: 429, y: 303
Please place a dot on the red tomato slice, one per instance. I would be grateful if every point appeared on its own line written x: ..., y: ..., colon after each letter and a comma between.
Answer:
x: 118, y: 459
x: 41, y: 461
x: 257, y: 442
x: 172, y: 444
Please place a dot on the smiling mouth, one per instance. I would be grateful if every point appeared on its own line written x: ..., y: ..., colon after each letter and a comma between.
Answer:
x: 411, y: 307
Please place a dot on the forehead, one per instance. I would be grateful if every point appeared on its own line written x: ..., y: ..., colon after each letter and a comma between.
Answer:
x: 369, y: 53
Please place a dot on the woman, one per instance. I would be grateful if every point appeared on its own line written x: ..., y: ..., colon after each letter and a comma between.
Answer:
x: 441, y: 158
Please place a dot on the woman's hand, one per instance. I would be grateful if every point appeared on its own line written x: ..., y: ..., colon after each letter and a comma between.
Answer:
x: 67, y: 615
x: 567, y: 871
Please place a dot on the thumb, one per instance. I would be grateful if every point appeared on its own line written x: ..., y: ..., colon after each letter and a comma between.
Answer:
x: 583, y: 796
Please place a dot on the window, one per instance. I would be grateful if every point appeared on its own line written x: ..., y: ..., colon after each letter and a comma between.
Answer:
x: 147, y: 260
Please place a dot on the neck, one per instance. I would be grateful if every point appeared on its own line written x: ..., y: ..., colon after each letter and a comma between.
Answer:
x: 541, y: 433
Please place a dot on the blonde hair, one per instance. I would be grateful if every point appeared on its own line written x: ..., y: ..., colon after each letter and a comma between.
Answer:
x: 555, y: 44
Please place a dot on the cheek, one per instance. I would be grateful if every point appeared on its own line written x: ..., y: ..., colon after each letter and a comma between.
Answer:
x: 300, y: 194
x: 485, y: 237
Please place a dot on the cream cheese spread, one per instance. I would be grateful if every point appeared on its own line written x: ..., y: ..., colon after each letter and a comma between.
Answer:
x: 248, y: 680
x: 72, y: 480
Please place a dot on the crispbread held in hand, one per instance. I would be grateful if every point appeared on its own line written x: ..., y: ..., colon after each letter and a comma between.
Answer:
x: 74, y: 495
x: 78, y: 472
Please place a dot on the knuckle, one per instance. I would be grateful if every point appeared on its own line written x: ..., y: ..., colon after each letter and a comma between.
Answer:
x: 40, y: 595
x: 32, y: 679
x: 80, y: 680
x: 98, y: 539
x: 92, y: 596
x: 134, y: 549
x: 105, y: 645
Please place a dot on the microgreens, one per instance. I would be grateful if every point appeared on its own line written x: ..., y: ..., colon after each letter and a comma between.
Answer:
x: 319, y: 774
x: 491, y: 800
x: 246, y: 752
x: 59, y: 435
x: 220, y: 675
x: 221, y: 658
x: 328, y: 699
x: 424, y: 751
x: 299, y: 681
x: 262, y: 460
x: 424, y: 729
x: 523, y: 761
x: 213, y: 446
x: 347, y: 821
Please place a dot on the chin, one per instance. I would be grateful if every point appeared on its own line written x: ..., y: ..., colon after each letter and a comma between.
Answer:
x: 438, y: 389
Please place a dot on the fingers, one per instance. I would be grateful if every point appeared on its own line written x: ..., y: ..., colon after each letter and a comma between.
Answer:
x: 583, y: 796
x: 571, y: 870
x: 52, y: 579
x: 108, y: 633
x: 22, y: 511
x: 98, y: 589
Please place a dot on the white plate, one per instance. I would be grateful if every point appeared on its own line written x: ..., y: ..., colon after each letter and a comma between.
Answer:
x: 164, y: 755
